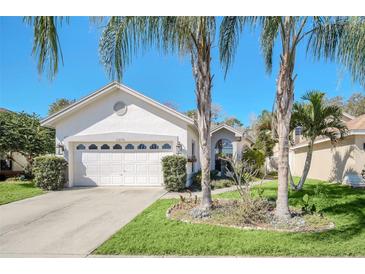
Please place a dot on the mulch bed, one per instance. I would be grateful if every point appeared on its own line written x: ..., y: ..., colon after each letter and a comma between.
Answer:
x: 253, y: 215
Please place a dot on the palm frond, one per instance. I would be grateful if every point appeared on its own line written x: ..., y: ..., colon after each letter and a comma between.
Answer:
x: 123, y: 37
x: 230, y: 30
x: 270, y: 30
x: 46, y: 44
x: 340, y: 39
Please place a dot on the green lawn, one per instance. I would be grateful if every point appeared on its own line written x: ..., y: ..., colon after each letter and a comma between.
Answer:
x: 151, y: 233
x: 14, y: 191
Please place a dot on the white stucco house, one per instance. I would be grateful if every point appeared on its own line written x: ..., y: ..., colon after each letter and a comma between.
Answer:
x: 117, y: 136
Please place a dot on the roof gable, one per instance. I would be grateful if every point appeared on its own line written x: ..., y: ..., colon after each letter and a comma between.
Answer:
x: 52, y: 119
x: 227, y: 127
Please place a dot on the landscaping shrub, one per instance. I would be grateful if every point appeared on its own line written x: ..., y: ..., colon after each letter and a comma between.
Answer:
x: 254, y: 157
x: 49, y: 172
x: 196, y: 178
x: 174, y: 172
x: 222, y: 183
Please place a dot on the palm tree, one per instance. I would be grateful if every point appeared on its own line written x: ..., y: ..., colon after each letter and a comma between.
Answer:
x: 191, y: 36
x: 316, y: 119
x: 333, y: 38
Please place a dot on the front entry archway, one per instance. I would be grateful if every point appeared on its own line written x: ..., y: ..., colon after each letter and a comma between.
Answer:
x: 223, y: 148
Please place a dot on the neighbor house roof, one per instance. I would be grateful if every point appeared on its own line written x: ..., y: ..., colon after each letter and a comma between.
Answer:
x: 356, y: 123
x: 50, y: 120
x: 355, y: 126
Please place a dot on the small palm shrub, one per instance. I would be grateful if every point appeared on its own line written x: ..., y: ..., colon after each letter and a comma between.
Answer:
x: 174, y: 172
x: 49, y: 172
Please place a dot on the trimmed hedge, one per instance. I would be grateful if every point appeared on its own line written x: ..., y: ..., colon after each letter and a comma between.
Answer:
x: 174, y: 172
x: 49, y: 172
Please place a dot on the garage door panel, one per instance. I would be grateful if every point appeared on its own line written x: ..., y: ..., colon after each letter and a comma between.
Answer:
x: 118, y: 167
x: 154, y: 180
x: 129, y: 180
x: 129, y: 156
x: 129, y: 168
x: 154, y: 157
x: 141, y: 156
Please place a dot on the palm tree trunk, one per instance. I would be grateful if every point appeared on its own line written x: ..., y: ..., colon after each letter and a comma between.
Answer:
x: 307, y: 165
x: 203, y: 85
x: 284, y: 103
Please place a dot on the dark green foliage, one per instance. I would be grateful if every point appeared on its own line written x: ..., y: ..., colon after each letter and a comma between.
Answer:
x: 308, y: 207
x: 22, y: 132
x: 255, y: 157
x: 263, y: 129
x: 196, y: 179
x: 49, y: 172
x: 174, y: 172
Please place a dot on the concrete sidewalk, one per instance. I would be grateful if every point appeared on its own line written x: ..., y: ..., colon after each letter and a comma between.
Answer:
x: 175, y: 195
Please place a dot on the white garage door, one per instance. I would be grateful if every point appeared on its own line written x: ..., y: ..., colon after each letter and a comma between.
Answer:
x: 130, y: 164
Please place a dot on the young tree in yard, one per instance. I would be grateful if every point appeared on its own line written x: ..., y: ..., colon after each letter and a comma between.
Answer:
x: 335, y: 38
x: 265, y: 135
x: 316, y: 120
x: 22, y: 133
x: 59, y: 104
x: 187, y: 36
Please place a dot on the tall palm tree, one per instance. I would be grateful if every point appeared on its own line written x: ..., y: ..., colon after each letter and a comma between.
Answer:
x: 329, y: 37
x: 191, y: 36
x: 316, y: 119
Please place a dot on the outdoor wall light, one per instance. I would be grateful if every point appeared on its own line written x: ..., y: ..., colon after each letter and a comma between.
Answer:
x: 60, y: 148
x: 178, y: 148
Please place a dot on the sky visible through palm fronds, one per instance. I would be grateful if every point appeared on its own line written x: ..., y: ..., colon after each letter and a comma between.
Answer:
x: 246, y: 91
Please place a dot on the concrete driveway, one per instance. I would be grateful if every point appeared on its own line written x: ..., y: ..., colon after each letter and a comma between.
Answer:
x: 72, y: 222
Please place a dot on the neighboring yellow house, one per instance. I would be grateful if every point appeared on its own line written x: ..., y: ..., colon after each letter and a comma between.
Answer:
x: 340, y: 163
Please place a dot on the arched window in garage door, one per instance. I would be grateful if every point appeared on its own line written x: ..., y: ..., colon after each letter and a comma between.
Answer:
x: 117, y: 146
x: 80, y: 147
x: 93, y: 147
x: 105, y: 146
x: 129, y: 146
x: 142, y: 146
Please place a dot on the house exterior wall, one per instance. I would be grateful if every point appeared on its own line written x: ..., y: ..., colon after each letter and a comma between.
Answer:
x: 340, y: 163
x: 222, y: 134
x: 193, y: 138
x: 98, y: 117
x: 19, y: 163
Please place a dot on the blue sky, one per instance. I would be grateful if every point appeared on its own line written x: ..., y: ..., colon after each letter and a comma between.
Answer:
x: 246, y: 91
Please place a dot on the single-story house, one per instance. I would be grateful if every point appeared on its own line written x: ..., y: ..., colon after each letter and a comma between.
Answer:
x: 342, y: 162
x: 117, y: 136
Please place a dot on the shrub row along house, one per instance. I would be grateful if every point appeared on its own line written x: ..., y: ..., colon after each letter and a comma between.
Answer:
x: 341, y: 162
x: 117, y: 136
